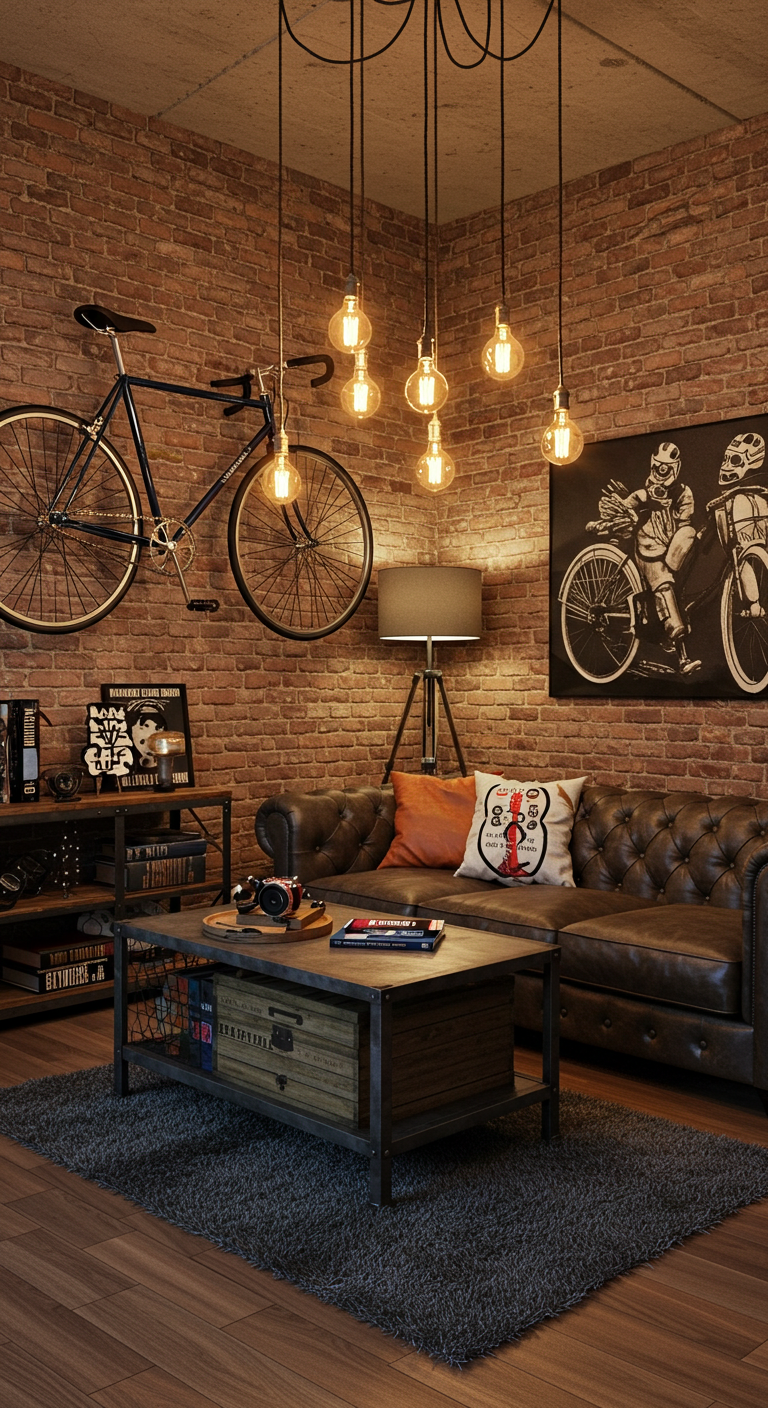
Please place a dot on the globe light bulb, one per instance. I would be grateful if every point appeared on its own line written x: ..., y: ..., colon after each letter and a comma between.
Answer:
x: 435, y: 470
x: 350, y: 329
x: 503, y: 356
x: 562, y: 441
x: 426, y: 389
x: 280, y: 480
x: 361, y: 396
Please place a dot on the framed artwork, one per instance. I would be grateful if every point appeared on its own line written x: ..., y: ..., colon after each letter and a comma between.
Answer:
x: 659, y: 566
x: 147, y: 708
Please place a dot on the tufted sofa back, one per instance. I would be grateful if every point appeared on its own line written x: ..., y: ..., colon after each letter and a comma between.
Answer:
x: 677, y: 847
x: 328, y: 833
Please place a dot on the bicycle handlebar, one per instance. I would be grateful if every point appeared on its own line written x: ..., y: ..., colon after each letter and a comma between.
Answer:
x: 246, y: 380
x: 321, y: 358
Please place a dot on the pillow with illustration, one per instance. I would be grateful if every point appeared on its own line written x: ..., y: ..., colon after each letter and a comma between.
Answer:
x: 521, y: 831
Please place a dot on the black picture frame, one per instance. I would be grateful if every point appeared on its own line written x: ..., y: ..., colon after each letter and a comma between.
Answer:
x: 613, y: 628
x: 156, y: 701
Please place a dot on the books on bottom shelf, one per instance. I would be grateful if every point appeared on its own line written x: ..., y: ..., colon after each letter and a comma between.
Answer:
x: 395, y: 935
x: 153, y: 874
x: 184, y: 1010
x: 64, y: 979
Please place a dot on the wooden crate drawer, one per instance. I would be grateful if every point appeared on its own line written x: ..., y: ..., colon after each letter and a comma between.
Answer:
x: 311, y: 1049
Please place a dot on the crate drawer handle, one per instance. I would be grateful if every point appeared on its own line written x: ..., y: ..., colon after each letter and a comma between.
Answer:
x: 293, y: 1016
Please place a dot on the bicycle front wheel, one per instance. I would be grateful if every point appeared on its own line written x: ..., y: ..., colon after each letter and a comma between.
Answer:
x: 596, y: 612
x: 744, y: 622
x: 55, y: 577
x: 302, y: 569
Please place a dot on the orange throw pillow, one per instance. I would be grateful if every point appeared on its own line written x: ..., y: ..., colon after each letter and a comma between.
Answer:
x: 432, y: 820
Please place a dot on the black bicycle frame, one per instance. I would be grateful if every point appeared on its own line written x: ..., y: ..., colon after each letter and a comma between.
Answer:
x: 121, y: 393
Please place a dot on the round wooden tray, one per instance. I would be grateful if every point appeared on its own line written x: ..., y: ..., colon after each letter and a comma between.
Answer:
x: 223, y: 924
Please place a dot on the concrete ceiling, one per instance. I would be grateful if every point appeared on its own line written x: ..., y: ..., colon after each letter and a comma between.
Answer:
x: 638, y: 75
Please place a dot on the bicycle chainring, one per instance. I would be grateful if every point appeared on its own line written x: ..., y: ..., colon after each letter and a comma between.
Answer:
x: 165, y: 545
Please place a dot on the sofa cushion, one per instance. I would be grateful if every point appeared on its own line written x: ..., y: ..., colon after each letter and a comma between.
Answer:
x: 521, y: 831
x: 527, y: 911
x: 398, y: 890
x: 432, y: 820
x: 668, y: 953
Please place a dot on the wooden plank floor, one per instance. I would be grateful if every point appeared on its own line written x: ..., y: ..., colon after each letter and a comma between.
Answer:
x: 100, y: 1303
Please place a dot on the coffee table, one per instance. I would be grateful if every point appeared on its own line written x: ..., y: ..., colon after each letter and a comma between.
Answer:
x: 383, y: 980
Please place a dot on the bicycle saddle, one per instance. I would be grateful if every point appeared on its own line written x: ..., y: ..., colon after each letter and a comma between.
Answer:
x: 98, y: 319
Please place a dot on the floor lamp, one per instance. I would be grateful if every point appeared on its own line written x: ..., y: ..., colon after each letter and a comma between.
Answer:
x: 430, y: 604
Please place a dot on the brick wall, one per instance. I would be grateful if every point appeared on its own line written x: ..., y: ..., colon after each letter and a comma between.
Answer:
x: 101, y: 205
x: 665, y: 324
x: 665, y: 321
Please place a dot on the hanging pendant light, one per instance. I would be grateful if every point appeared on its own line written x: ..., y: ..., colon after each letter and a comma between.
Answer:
x: 426, y: 389
x: 361, y: 396
x: 350, y: 329
x: 562, y: 441
x: 435, y: 470
x: 280, y: 481
x: 502, y: 357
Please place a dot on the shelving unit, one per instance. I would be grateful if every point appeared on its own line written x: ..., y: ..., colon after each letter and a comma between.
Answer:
x: 117, y: 808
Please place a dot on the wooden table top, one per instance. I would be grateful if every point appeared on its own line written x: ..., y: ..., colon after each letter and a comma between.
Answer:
x: 358, y: 973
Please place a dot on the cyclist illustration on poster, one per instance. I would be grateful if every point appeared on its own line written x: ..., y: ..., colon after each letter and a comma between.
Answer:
x: 659, y: 565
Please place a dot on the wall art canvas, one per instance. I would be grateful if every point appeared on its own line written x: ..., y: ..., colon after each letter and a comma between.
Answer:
x: 147, y: 709
x: 659, y: 565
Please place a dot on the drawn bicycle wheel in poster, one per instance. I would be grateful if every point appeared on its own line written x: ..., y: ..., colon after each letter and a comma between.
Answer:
x: 659, y: 565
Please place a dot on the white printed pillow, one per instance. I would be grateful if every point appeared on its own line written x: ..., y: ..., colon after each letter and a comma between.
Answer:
x: 520, y: 831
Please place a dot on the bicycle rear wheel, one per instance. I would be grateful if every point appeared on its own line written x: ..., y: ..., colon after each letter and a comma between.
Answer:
x: 303, y: 569
x: 744, y: 622
x: 596, y: 615
x: 56, y: 578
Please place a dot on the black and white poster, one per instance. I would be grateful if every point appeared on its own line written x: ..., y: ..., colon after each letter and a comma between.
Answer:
x: 659, y: 565
x: 148, y: 708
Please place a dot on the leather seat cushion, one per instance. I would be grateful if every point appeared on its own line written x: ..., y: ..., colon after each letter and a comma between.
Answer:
x: 398, y: 889
x: 669, y: 953
x: 528, y: 911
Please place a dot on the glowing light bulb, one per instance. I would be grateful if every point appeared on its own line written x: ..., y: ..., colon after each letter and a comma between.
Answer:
x: 280, y: 480
x: 562, y: 441
x: 361, y: 396
x: 435, y: 470
x: 426, y: 389
x: 503, y: 356
x: 350, y: 329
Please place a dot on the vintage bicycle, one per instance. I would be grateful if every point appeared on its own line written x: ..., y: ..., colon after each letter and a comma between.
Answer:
x: 606, y: 611
x: 72, y: 529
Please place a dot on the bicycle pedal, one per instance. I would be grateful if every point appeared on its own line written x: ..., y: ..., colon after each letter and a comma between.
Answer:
x: 202, y: 603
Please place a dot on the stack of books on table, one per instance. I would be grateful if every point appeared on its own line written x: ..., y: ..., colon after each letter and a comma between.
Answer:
x: 59, y: 965
x: 155, y: 859
x: 396, y: 934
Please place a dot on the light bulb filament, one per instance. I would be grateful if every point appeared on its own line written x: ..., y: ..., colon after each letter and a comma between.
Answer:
x: 282, y: 482
x: 360, y: 397
x: 562, y: 441
x: 351, y: 325
x: 502, y: 356
x: 435, y: 463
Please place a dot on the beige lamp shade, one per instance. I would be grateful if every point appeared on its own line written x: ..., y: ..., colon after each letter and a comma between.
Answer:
x: 444, y: 603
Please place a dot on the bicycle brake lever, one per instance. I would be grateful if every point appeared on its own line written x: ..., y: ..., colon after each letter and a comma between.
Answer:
x: 322, y: 359
x: 245, y: 381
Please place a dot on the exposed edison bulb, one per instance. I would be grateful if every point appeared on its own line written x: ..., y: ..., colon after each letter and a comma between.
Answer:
x: 280, y: 480
x: 361, y: 396
x: 350, y: 329
x: 562, y: 441
x: 426, y: 389
x: 435, y: 470
x: 503, y: 356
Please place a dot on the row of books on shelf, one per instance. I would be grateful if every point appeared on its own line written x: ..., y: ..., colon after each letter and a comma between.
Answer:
x: 19, y: 750
x: 155, y: 859
x: 77, y: 961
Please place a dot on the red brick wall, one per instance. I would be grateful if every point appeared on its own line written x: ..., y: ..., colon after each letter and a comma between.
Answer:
x: 101, y: 205
x: 665, y: 318
x: 665, y: 324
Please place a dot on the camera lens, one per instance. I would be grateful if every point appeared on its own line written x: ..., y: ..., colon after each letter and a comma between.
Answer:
x: 275, y: 899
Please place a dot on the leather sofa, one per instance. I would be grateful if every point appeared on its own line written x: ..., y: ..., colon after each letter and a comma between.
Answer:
x: 664, y: 938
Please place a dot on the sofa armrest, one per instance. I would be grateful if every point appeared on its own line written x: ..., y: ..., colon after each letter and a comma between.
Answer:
x: 755, y: 959
x: 312, y: 834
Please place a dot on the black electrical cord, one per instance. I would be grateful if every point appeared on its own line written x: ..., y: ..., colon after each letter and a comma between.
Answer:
x: 362, y: 139
x: 435, y: 216
x: 427, y: 329
x: 280, y: 205
x: 502, y: 172
x: 324, y: 58
x: 485, y: 47
x: 351, y: 136
x: 560, y: 188
x: 488, y: 52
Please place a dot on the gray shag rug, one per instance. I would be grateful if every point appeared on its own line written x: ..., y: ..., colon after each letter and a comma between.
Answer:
x: 492, y: 1230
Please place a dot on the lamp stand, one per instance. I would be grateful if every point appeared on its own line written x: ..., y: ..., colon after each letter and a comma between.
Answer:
x: 431, y: 679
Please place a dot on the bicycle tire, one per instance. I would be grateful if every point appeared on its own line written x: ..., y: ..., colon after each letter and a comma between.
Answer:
x: 55, y: 579
x: 745, y: 637
x: 303, y: 570
x: 596, y: 618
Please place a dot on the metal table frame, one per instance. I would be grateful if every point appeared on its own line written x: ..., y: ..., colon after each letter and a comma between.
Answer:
x: 382, y: 1139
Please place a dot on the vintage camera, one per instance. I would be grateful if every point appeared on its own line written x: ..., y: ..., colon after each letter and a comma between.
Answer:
x: 278, y: 896
x: 63, y: 782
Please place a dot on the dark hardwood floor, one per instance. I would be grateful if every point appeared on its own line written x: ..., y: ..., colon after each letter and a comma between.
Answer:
x: 101, y: 1303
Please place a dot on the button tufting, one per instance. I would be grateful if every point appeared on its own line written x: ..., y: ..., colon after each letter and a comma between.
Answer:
x: 563, y: 1011
x: 702, y: 1045
x: 687, y: 860
x: 642, y: 855
x: 607, y: 1022
x: 671, y: 824
x: 732, y: 865
x: 652, y: 1033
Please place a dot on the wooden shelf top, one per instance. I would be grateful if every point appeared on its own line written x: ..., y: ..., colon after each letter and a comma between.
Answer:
x: 95, y: 897
x: 108, y: 803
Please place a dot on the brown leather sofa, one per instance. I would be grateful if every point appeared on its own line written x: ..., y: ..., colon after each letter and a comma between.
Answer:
x: 664, y: 939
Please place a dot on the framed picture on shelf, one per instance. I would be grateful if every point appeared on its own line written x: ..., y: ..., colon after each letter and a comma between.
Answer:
x: 149, y: 708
